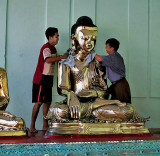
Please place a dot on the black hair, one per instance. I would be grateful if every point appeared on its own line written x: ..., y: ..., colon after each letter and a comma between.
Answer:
x: 113, y: 43
x: 84, y: 21
x: 51, y: 32
x: 73, y: 29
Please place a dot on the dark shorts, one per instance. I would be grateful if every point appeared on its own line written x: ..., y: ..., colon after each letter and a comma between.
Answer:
x: 41, y: 93
x: 120, y: 91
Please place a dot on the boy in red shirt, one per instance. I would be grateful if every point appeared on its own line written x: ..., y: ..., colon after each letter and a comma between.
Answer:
x: 43, y: 77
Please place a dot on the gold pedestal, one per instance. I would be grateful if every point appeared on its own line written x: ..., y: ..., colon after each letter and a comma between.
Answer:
x: 96, y: 128
x: 13, y: 133
x: 11, y: 125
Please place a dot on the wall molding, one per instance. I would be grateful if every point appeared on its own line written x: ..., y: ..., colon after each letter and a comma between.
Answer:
x: 3, y: 32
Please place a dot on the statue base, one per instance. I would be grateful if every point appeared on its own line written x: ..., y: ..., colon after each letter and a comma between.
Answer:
x: 13, y: 133
x: 96, y: 128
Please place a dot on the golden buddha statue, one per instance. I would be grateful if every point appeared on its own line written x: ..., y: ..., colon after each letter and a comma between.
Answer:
x: 86, y: 109
x: 10, y: 125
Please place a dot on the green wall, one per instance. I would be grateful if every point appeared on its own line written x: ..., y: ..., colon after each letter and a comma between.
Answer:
x: 135, y: 23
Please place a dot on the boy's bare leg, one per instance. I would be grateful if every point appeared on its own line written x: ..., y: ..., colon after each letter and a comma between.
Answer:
x: 45, y: 111
x: 35, y: 112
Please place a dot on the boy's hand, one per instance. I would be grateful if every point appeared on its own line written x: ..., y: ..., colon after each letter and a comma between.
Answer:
x: 64, y: 56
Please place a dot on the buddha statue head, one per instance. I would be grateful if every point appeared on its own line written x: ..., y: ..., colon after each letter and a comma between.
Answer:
x: 86, y: 37
x: 83, y: 36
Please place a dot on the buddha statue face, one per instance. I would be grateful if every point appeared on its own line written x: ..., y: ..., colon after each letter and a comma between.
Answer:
x: 86, y: 37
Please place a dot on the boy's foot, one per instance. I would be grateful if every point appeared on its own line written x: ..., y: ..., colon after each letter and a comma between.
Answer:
x: 44, y: 128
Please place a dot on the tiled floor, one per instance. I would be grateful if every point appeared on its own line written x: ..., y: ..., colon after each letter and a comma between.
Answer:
x: 71, y: 145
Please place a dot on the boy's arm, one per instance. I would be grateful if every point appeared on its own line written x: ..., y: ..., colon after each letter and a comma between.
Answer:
x: 98, y: 58
x: 55, y: 59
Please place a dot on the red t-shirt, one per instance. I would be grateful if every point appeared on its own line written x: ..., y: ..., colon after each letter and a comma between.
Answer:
x: 41, y: 61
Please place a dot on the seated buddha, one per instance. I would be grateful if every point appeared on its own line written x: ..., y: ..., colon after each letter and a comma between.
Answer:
x: 10, y: 125
x: 82, y: 82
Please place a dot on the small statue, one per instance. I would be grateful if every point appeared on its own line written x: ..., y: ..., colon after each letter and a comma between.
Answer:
x: 10, y: 125
x: 82, y: 82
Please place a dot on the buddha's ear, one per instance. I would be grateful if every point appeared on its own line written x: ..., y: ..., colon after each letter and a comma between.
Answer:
x: 77, y: 46
x: 72, y: 37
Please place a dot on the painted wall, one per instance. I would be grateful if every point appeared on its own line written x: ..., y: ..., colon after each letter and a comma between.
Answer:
x: 135, y: 23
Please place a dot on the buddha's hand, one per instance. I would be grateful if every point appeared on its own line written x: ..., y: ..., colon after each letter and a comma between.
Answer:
x: 74, y: 106
x: 87, y: 93
x: 120, y: 104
